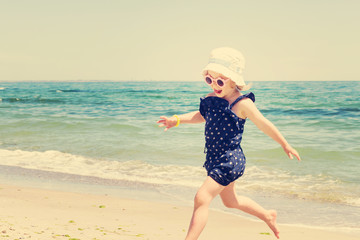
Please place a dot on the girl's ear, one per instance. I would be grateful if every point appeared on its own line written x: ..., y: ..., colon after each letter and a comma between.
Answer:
x: 232, y: 84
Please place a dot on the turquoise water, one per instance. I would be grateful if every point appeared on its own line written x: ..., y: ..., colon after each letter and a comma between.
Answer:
x: 108, y: 130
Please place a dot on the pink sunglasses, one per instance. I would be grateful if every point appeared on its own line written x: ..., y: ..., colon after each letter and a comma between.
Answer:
x: 219, y: 81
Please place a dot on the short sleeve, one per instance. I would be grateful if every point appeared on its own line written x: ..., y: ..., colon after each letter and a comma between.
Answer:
x: 251, y: 96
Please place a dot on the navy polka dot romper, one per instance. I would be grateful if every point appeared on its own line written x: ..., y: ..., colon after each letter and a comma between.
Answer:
x: 225, y: 160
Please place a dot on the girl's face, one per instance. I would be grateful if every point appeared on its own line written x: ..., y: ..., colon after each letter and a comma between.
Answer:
x: 220, y: 91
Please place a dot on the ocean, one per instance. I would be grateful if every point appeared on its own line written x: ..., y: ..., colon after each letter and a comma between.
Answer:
x: 104, y: 135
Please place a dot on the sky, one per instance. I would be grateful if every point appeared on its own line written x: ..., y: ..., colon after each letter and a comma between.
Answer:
x: 166, y: 40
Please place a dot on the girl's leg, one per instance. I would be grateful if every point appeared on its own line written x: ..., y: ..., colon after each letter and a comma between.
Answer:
x: 231, y: 200
x: 206, y: 193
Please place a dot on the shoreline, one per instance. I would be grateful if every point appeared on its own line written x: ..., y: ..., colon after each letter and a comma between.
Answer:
x: 36, y: 213
x: 293, y: 211
x: 88, y: 185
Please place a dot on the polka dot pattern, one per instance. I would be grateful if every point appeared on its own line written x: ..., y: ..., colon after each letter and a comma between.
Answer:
x: 225, y: 160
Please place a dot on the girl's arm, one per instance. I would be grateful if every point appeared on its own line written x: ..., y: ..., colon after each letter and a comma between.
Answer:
x: 192, y: 117
x: 249, y: 110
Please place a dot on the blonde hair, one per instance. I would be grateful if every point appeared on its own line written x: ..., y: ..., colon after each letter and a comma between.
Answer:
x: 244, y: 87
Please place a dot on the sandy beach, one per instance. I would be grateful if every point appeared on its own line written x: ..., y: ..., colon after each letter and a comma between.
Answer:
x: 29, y: 213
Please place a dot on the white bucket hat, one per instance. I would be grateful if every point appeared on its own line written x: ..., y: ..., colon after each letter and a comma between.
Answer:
x: 228, y: 62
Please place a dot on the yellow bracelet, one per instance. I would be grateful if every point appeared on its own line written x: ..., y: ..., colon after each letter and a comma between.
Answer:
x: 178, y: 120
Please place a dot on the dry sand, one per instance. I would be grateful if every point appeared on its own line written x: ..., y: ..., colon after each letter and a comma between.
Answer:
x: 27, y: 213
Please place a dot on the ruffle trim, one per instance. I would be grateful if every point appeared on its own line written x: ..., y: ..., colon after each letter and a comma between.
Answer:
x: 214, y: 102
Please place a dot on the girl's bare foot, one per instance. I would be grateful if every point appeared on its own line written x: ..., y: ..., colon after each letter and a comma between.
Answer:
x: 271, y: 222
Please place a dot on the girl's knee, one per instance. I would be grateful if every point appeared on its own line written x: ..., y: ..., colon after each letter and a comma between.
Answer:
x: 202, y: 198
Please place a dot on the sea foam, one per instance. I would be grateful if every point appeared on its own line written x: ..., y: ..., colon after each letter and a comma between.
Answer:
x: 133, y: 170
x: 320, y: 188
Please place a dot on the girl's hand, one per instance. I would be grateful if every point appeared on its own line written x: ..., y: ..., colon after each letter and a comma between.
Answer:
x: 167, y: 122
x: 290, y: 151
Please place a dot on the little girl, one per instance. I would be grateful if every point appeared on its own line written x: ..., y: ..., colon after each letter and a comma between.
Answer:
x: 225, y: 111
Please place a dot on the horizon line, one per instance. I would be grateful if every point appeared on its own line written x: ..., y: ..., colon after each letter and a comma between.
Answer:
x: 132, y: 80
